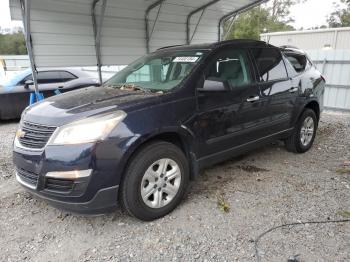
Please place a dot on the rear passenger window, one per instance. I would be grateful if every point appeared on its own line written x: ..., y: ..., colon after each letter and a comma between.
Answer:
x: 48, y: 77
x: 270, y: 64
x: 231, y: 66
x: 298, y: 61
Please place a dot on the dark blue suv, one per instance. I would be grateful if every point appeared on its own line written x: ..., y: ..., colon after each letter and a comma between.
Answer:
x: 144, y: 134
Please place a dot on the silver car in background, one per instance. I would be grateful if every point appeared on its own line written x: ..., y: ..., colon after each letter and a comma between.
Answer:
x: 15, y: 92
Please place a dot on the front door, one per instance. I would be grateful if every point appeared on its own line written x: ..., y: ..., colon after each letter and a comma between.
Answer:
x: 228, y: 104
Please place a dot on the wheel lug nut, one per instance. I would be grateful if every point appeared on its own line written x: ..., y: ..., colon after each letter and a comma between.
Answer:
x: 159, y: 188
x: 161, y: 175
x: 164, y: 185
x: 156, y: 179
x: 155, y: 186
x: 165, y: 178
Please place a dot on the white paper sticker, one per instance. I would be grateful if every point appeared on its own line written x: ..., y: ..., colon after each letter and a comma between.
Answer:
x: 186, y: 59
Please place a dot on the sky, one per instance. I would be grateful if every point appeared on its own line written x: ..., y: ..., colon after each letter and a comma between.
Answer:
x: 310, y: 14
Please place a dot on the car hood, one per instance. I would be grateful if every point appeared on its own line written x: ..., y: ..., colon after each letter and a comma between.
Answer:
x: 65, y: 108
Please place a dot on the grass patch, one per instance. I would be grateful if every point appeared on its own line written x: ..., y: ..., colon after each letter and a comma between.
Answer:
x: 223, y: 205
x: 345, y: 214
x: 343, y: 170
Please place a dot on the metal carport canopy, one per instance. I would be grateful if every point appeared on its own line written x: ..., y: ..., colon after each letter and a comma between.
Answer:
x: 116, y: 32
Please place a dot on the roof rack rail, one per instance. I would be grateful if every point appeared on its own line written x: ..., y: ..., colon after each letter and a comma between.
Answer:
x: 292, y: 49
x: 289, y: 47
x: 164, y: 47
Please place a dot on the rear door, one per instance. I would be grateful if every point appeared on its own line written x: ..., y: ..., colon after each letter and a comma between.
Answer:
x: 278, y: 90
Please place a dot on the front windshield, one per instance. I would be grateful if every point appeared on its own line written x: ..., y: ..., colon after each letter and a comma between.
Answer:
x: 157, y: 72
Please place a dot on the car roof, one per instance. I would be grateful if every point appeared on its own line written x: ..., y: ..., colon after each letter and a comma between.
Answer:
x: 74, y: 71
x: 212, y: 46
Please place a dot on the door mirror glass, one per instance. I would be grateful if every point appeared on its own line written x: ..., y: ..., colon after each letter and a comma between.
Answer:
x: 28, y: 83
x: 214, y: 85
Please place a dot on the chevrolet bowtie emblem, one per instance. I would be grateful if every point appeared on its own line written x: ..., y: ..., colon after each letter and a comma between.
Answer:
x: 20, y: 133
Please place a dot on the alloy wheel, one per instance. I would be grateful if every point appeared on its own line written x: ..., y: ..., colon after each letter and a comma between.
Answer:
x: 307, y: 131
x: 160, y: 183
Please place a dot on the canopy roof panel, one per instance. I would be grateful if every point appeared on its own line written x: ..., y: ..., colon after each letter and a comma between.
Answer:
x: 62, y: 31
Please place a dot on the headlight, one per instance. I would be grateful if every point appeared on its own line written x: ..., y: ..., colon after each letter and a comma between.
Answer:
x: 87, y: 130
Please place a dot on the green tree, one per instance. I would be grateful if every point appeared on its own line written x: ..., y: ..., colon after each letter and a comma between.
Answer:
x: 12, y: 44
x: 341, y: 16
x: 272, y: 17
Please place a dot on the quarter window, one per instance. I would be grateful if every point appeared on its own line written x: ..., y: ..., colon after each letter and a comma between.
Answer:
x: 230, y: 66
x: 270, y: 64
x: 66, y: 76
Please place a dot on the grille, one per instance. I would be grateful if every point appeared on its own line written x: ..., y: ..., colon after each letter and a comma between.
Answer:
x: 28, y: 177
x: 61, y: 185
x: 35, y: 135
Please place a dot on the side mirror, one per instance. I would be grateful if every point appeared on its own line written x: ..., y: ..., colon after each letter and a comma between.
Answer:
x: 217, y: 85
x: 28, y: 83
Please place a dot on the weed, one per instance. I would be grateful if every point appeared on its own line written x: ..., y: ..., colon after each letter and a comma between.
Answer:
x: 343, y: 213
x: 222, y: 204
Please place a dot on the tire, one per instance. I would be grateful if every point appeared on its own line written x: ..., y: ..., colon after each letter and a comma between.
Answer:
x: 294, y: 143
x: 149, y: 195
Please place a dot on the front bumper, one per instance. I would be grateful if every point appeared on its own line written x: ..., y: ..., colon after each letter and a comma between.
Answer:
x: 95, y: 194
x: 105, y: 200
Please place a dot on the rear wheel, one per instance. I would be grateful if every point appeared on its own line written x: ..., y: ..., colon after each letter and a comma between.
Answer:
x: 304, y: 133
x: 155, y: 181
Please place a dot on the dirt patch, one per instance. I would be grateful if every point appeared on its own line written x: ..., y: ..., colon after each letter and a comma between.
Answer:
x: 252, y: 169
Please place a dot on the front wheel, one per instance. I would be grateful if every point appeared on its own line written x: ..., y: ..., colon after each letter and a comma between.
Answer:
x: 155, y: 181
x: 304, y: 133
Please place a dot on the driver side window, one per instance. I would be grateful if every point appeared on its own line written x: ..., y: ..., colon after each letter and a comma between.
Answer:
x: 230, y: 66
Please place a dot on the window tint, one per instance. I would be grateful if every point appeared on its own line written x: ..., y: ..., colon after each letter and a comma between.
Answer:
x: 66, y: 76
x: 270, y: 64
x: 298, y: 61
x: 46, y: 77
x: 231, y: 66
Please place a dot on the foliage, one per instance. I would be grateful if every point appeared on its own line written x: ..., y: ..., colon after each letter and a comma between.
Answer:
x: 222, y: 203
x: 272, y: 17
x: 341, y: 16
x: 12, y: 44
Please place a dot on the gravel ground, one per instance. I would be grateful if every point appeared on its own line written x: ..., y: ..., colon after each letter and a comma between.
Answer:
x: 226, y: 209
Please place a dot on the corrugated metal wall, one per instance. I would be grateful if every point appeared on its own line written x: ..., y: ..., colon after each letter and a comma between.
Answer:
x: 335, y: 66
x: 330, y: 51
x: 338, y: 38
x: 62, y: 30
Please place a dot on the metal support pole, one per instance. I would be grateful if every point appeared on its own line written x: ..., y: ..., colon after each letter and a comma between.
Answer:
x: 236, y: 12
x: 97, y: 28
x: 230, y: 27
x: 188, y: 20
x: 148, y: 10
x: 25, y: 7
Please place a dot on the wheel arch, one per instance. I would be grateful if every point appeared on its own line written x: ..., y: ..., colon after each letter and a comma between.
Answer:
x: 315, y: 106
x: 181, y: 138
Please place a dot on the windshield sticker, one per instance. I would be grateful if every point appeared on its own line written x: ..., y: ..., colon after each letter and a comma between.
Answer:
x: 186, y: 59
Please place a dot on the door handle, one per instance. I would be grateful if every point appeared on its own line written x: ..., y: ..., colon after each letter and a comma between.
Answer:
x: 293, y: 90
x: 253, y: 99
